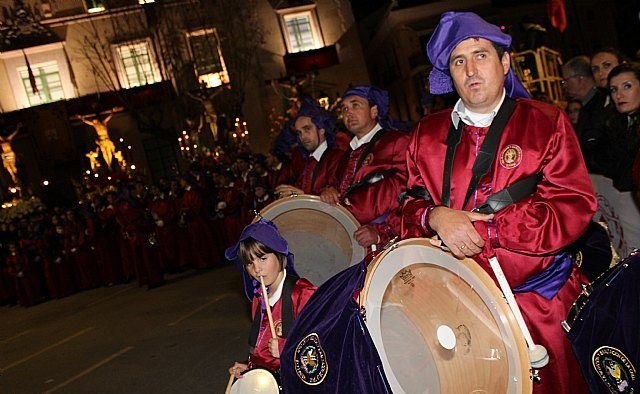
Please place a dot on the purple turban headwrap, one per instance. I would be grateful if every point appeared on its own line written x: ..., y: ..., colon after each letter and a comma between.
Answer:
x: 320, y: 117
x: 453, y: 28
x: 265, y: 232
x: 374, y: 95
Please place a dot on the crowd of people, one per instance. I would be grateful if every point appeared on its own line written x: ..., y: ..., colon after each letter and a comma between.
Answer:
x: 133, y: 229
x: 438, y: 181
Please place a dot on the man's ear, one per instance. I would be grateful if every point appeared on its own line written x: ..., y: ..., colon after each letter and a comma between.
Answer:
x: 506, y: 62
x: 374, y: 112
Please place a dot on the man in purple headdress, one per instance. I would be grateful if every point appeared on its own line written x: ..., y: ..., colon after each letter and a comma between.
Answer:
x: 315, y: 128
x: 373, y: 173
x: 496, y: 137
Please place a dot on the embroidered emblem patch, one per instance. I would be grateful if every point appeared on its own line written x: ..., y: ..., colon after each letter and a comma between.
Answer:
x: 310, y: 361
x: 511, y: 156
x: 615, y: 369
x: 367, y: 159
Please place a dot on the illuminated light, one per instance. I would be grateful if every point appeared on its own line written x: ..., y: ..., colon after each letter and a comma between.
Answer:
x: 121, y: 139
x: 128, y: 146
x: 88, y: 172
x: 13, y: 190
x: 94, y: 6
x: 109, y: 178
x: 146, y: 1
x: 45, y: 183
x: 179, y: 139
x: 186, y: 137
x: 235, y: 135
x: 95, y: 175
x: 187, y: 148
x: 184, y: 132
x: 182, y: 148
x: 195, y: 147
x: 133, y: 166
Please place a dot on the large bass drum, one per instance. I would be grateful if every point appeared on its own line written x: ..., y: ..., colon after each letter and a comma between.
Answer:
x: 441, y: 325
x: 320, y: 235
x: 602, y: 327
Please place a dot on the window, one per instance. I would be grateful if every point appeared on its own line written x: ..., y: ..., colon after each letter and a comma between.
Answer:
x: 48, y: 83
x: 301, y: 31
x: 207, y: 57
x: 136, y: 64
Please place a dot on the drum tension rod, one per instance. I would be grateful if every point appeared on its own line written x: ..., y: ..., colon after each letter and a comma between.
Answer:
x: 535, y: 377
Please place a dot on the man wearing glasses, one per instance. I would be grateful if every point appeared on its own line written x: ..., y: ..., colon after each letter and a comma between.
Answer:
x: 579, y: 84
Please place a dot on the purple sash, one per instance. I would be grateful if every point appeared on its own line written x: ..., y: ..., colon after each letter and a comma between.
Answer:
x: 549, y: 282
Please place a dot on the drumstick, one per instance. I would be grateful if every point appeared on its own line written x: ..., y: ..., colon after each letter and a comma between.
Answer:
x: 228, y: 390
x: 538, y: 355
x: 268, y: 307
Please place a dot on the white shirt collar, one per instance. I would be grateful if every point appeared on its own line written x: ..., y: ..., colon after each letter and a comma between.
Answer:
x: 317, y: 154
x: 356, y: 143
x: 275, y: 296
x: 460, y: 113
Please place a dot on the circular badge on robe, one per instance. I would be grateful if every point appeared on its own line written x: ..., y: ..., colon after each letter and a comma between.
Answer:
x: 368, y: 159
x: 614, y: 369
x: 511, y: 156
x: 310, y: 361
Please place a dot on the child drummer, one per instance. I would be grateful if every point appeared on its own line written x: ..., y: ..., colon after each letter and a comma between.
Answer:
x: 262, y: 253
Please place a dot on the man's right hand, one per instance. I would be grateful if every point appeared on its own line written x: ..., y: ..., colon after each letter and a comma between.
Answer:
x: 238, y: 369
x: 330, y: 195
x: 455, y: 229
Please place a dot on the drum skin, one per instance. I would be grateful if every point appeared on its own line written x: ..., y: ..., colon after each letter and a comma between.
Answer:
x: 441, y: 325
x: 605, y: 329
x: 320, y: 235
x: 256, y: 381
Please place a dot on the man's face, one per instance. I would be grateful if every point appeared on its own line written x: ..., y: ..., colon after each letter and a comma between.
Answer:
x: 478, y: 74
x: 359, y: 117
x: 309, y: 136
x: 572, y: 84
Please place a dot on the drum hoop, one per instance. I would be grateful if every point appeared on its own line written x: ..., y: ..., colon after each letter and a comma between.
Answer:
x: 587, y: 292
x: 262, y: 373
x: 308, y: 201
x: 484, y: 285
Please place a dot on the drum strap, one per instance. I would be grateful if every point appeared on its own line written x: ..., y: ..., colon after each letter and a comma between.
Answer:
x: 316, y: 169
x: 485, y: 156
x: 287, y: 311
x: 368, y: 147
x: 370, y: 179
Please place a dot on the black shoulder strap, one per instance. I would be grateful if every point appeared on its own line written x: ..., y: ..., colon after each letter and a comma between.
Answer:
x: 316, y: 169
x: 287, y: 304
x: 368, y: 148
x: 287, y: 311
x: 485, y: 156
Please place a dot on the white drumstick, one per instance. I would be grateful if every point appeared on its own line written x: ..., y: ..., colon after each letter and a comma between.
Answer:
x: 228, y: 390
x: 538, y: 355
x: 266, y: 302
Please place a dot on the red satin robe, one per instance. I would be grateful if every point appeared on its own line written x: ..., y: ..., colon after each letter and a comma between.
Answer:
x: 261, y: 357
x: 191, y: 205
x: 324, y: 170
x: 525, y: 235
x: 166, y: 220
x: 372, y: 201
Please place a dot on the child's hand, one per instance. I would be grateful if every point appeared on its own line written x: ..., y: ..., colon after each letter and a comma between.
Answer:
x: 273, y: 347
x: 238, y: 369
